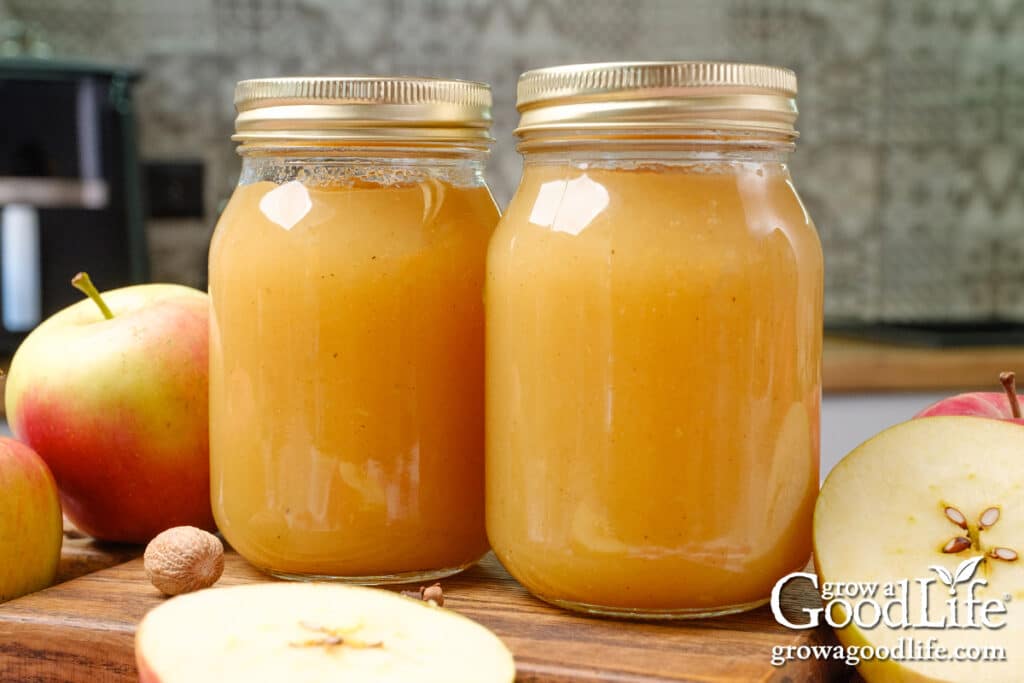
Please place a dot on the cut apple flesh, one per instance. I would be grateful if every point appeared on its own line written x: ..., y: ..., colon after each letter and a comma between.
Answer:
x: 314, y: 633
x: 892, y: 509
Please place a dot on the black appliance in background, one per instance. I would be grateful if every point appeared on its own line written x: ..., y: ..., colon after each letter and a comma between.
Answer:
x: 70, y: 196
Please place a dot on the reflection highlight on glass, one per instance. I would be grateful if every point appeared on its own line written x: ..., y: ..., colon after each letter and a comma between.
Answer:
x: 569, y: 205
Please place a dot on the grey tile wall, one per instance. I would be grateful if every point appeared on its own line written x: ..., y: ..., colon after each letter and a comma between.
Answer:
x: 912, y: 111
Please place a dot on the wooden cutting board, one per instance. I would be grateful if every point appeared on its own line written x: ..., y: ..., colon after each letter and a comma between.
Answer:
x: 857, y: 365
x: 81, y: 555
x: 83, y: 630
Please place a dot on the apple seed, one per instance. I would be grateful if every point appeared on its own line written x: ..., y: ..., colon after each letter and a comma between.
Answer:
x: 333, y: 637
x: 957, y: 545
x: 988, y: 518
x: 955, y: 516
x: 1006, y: 554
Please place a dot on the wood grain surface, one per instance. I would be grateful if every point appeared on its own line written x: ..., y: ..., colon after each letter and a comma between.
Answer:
x: 82, y: 632
x: 81, y: 555
x: 850, y: 365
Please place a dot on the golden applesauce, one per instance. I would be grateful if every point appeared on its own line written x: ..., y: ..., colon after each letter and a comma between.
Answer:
x: 346, y: 372
x: 654, y: 315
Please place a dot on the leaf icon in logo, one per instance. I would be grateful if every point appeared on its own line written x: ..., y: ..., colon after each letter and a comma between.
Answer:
x: 964, y: 571
x: 944, y: 576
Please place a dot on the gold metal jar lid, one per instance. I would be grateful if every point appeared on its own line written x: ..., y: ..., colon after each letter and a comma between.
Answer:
x: 362, y: 108
x: 658, y: 95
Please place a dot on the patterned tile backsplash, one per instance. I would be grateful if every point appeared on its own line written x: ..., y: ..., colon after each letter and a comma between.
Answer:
x: 911, y: 158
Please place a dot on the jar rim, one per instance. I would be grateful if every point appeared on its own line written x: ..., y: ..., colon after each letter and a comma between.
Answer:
x: 362, y: 108
x: 665, y: 95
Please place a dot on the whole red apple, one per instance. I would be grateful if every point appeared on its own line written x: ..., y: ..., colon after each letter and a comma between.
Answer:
x: 1001, y: 405
x: 112, y: 393
x: 31, y: 528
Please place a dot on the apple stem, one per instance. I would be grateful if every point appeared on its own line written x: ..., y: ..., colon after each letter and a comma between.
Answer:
x: 84, y: 284
x: 1008, y: 380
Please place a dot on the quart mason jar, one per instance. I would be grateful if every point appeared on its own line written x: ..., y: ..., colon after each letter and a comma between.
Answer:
x: 347, y: 330
x: 654, y: 321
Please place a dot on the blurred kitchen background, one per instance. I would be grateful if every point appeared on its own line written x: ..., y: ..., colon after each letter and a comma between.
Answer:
x: 910, y: 158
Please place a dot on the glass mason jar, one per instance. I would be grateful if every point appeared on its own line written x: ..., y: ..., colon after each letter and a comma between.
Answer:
x: 654, y: 322
x: 347, y: 329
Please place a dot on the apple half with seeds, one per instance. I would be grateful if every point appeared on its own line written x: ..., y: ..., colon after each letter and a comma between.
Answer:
x: 940, y: 500
x: 314, y: 633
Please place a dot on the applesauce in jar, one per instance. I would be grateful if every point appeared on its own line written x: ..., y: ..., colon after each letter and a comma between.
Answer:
x: 347, y: 339
x: 654, y: 322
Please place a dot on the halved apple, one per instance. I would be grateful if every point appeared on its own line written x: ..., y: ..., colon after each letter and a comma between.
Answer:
x: 939, y: 499
x: 312, y: 633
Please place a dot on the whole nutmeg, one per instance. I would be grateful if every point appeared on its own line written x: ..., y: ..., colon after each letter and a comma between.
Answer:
x: 184, y: 559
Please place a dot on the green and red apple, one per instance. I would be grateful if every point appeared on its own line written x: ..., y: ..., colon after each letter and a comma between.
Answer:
x: 1000, y: 405
x: 112, y: 393
x: 939, y: 499
x: 31, y: 527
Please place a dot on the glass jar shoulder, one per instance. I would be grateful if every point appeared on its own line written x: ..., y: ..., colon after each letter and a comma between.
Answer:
x: 373, y: 205
x: 656, y: 203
